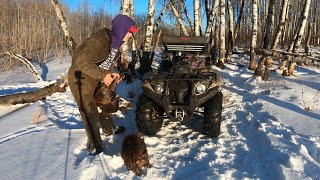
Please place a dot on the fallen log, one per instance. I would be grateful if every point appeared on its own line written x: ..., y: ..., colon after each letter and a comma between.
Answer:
x: 33, y: 96
x: 299, y: 58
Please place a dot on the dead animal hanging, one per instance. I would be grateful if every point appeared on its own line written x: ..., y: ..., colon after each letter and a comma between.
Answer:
x: 134, y: 153
x: 107, y: 100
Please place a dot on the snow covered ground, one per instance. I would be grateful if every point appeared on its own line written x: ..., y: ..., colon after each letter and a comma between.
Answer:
x: 266, y: 133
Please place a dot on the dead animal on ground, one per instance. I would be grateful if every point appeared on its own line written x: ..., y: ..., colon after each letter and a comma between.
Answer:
x: 134, y: 153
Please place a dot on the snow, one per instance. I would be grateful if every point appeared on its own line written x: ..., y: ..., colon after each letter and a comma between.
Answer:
x: 266, y: 133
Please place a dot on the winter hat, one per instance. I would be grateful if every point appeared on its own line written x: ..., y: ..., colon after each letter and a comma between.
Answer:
x: 121, y: 25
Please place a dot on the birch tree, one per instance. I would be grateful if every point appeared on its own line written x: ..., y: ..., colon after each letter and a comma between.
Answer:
x: 125, y: 10
x: 179, y: 19
x: 239, y: 19
x: 281, y: 25
x: 231, y: 30
x: 222, y: 51
x: 187, y: 16
x: 253, y: 63
x: 146, y: 61
x: 159, y: 18
x: 196, y: 8
x: 304, y: 17
x: 269, y: 24
x: 212, y: 15
x: 70, y: 41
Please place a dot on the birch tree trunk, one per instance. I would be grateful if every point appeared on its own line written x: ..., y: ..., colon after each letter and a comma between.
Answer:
x: 179, y: 9
x: 304, y: 18
x: 159, y: 18
x: 239, y: 19
x: 64, y: 26
x: 187, y: 16
x: 212, y: 15
x: 146, y: 61
x: 222, y: 51
x: 215, y: 50
x: 125, y: 10
x: 131, y: 8
x: 196, y: 8
x: 33, y: 96
x: 281, y: 25
x: 253, y: 63
x: 207, y: 6
x: 307, y: 47
x: 184, y: 30
x: 269, y: 25
x: 231, y: 30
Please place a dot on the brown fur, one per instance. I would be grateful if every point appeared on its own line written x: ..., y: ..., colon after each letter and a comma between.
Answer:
x: 134, y: 153
x: 284, y: 61
x: 106, y: 98
x: 290, y: 70
x: 268, y: 61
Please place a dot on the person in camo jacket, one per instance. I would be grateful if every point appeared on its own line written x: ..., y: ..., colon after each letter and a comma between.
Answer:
x: 92, y: 63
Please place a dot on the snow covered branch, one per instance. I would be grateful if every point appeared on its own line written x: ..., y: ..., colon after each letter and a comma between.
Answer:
x: 26, y: 62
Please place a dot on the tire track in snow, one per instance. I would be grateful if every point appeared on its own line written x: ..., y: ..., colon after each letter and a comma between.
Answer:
x: 29, y: 130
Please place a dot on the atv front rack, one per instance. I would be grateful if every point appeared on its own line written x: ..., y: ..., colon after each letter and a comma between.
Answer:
x: 190, y: 44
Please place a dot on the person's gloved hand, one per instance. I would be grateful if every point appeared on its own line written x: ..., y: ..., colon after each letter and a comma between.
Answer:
x: 110, y: 77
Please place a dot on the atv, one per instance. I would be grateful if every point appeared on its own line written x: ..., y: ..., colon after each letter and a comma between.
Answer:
x: 184, y: 85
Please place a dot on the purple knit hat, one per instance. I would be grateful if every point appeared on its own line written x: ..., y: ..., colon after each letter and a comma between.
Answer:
x: 120, y: 27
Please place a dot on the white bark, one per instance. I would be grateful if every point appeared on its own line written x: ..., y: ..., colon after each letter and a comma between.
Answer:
x: 231, y: 30
x: 222, y: 31
x: 187, y: 16
x: 269, y: 24
x: 160, y: 18
x: 131, y: 7
x: 254, y: 34
x: 281, y: 25
x: 125, y: 10
x: 239, y: 19
x: 210, y: 22
x: 26, y: 62
x: 302, y: 26
x: 150, y: 26
x: 64, y: 26
x: 184, y: 30
x: 196, y: 6
x: 231, y: 19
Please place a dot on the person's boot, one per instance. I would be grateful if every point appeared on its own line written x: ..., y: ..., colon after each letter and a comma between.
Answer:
x: 94, y: 151
x: 119, y: 129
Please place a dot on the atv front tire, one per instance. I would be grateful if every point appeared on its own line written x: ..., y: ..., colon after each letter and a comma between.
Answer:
x: 147, y: 116
x: 212, y: 116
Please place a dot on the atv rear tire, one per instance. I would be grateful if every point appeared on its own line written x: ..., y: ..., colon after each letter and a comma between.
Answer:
x: 147, y: 116
x: 212, y: 116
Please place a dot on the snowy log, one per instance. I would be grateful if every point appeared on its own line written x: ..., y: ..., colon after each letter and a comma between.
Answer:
x: 26, y: 62
x: 33, y: 96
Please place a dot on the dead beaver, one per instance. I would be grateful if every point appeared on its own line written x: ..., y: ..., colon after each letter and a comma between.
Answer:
x: 134, y: 153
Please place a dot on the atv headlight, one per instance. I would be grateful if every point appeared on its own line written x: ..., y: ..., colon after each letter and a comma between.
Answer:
x: 200, y: 88
x: 159, y: 88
